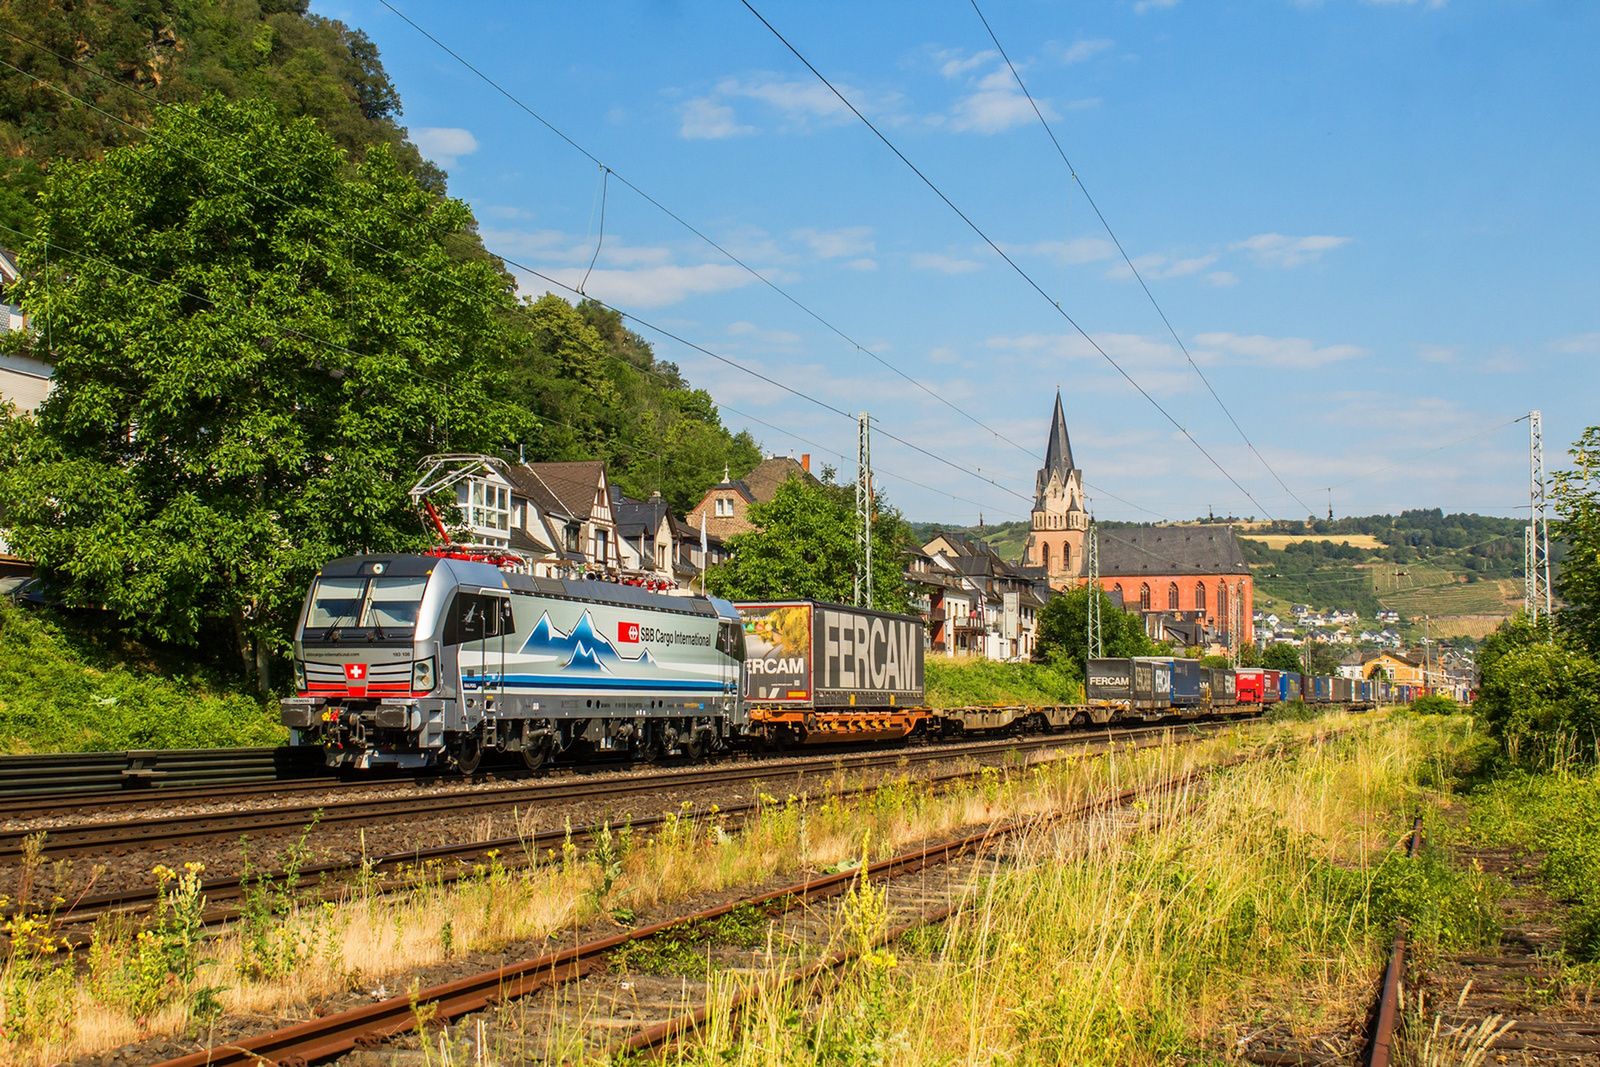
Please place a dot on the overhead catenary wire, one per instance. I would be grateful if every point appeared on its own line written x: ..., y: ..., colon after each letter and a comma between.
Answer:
x: 768, y: 282
x: 1026, y: 277
x: 544, y: 277
x: 1071, y: 170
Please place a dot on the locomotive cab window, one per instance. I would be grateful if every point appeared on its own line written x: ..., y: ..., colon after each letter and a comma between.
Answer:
x: 475, y: 616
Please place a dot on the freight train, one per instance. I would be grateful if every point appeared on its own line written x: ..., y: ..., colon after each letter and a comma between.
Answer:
x: 434, y: 660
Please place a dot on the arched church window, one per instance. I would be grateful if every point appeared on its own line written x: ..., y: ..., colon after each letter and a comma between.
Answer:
x: 1044, y: 555
x: 1199, y: 596
x: 1144, y: 597
x: 1172, y: 596
x: 1117, y: 589
x: 1222, y: 600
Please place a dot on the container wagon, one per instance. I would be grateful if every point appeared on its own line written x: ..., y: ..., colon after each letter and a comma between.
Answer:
x: 818, y: 672
x: 1191, y: 691
x: 1250, y: 684
x: 1130, y: 688
x: 1224, y: 687
x: 1269, y: 687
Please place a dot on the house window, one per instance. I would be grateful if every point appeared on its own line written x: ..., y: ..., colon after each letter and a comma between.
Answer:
x: 661, y: 557
x: 574, y: 531
x: 1199, y: 597
x: 1144, y: 597
x: 490, y: 506
x: 1044, y: 556
x: 724, y: 507
x: 600, y: 545
x: 1172, y: 596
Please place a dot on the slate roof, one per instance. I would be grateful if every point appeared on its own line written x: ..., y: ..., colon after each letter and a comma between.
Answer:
x: 1058, y: 452
x: 561, y: 488
x: 635, y: 517
x: 1163, y: 550
x: 762, y: 483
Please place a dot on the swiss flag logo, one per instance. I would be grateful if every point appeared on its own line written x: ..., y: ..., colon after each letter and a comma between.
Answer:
x: 628, y: 633
x: 355, y: 672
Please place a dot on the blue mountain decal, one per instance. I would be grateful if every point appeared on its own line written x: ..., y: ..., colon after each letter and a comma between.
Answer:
x: 584, y: 649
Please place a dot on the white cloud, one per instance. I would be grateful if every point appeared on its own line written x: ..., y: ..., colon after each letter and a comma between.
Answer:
x: 650, y: 286
x: 1277, y: 250
x: 995, y: 106
x: 1155, y: 265
x: 444, y: 144
x: 1078, y: 51
x: 1147, y: 5
x: 836, y: 244
x: 1222, y: 277
x: 1438, y: 353
x: 864, y: 263
x: 1296, y: 352
x: 704, y: 118
x: 953, y: 65
x: 1078, y: 250
x: 943, y: 264
x: 1579, y: 344
x: 763, y: 337
x: 1431, y: 5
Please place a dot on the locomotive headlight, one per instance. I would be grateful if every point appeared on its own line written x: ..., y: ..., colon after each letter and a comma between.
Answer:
x: 422, y: 676
x: 299, y: 677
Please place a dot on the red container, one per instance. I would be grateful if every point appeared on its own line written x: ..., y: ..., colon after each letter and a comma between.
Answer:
x: 1250, y: 684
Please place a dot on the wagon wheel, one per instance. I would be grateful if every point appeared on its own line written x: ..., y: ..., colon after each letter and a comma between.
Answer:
x: 468, y: 754
x: 533, y: 758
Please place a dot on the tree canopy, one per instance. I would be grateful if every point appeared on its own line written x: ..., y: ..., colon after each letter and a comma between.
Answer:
x: 1063, y: 630
x: 804, y: 546
x: 246, y: 371
x: 1576, y: 497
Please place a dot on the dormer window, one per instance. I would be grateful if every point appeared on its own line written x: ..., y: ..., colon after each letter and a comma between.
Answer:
x: 724, y: 506
x: 487, y: 506
x: 574, y: 532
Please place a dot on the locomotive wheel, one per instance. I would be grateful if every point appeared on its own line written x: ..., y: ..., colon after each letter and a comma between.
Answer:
x: 468, y: 754
x: 533, y: 758
x: 695, y: 748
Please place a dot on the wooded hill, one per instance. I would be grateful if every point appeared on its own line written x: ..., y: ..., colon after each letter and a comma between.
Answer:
x: 77, y: 80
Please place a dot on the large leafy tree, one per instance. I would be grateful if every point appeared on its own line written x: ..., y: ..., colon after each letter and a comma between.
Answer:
x: 254, y: 341
x: 1063, y: 630
x: 1577, y: 504
x: 805, y: 547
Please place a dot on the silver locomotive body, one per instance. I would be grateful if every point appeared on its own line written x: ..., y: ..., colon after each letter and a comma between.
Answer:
x: 414, y: 660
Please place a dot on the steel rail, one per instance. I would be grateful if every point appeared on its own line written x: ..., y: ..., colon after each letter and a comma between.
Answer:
x: 1381, y: 1046
x: 365, y: 1026
x: 163, y: 830
x: 219, y: 891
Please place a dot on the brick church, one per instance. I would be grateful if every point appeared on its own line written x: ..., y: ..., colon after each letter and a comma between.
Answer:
x: 1190, y: 582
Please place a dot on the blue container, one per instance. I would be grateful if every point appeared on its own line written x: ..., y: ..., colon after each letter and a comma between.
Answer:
x: 1289, y: 686
x: 1186, y: 688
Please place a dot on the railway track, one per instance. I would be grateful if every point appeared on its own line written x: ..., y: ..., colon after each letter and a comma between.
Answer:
x: 632, y: 1024
x: 104, y: 775
x: 160, y: 831
x: 224, y: 894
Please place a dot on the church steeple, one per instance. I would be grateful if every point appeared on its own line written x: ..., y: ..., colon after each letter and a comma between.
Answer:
x: 1058, y: 452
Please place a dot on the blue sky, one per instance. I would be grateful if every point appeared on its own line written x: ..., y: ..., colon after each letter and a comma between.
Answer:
x: 1373, y: 224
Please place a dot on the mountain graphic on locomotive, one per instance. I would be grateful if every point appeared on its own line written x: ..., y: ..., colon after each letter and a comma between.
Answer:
x: 424, y: 660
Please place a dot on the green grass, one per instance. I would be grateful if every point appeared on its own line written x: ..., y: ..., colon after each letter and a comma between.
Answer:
x: 954, y: 683
x: 1557, y: 814
x: 61, y: 693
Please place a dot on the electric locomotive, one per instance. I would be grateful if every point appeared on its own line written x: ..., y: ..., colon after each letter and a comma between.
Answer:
x: 417, y: 660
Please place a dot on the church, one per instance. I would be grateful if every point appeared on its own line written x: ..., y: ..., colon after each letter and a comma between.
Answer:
x: 1189, y: 580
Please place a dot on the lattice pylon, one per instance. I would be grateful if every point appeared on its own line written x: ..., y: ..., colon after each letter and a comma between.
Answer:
x: 1096, y: 644
x: 863, y: 590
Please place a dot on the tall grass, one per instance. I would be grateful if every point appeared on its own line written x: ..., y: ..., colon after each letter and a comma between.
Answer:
x: 1270, y: 903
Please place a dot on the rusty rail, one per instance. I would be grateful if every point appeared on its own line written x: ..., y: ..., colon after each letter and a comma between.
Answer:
x: 1382, y: 1044
x: 366, y: 1026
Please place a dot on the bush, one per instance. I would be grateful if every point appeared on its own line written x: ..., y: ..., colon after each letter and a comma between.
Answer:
x: 1435, y: 705
x: 961, y: 683
x: 59, y: 695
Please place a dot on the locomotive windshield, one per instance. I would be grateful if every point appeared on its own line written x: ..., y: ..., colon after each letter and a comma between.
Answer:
x: 366, y: 602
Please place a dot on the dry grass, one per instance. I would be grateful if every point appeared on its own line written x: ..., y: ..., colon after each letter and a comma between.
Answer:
x: 289, y: 954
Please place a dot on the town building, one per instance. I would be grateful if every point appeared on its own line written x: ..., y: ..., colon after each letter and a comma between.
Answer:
x: 1191, y: 583
x: 1060, y: 521
x: 978, y: 604
x: 24, y: 381
x: 726, y: 506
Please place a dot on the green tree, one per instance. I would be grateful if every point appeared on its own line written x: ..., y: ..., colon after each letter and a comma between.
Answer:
x: 1577, y: 505
x: 1063, y: 630
x: 1279, y: 657
x: 245, y: 373
x: 805, y: 547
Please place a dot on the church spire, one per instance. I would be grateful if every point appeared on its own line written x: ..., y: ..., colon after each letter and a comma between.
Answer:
x: 1058, y: 453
